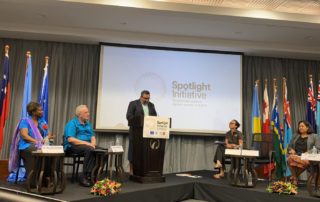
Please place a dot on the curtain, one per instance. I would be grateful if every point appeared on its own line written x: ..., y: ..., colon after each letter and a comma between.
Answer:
x: 297, y: 74
x: 73, y: 80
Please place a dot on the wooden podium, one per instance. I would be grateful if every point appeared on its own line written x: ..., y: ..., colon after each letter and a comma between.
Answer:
x: 148, y: 154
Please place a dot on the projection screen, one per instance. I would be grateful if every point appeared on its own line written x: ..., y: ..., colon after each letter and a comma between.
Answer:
x: 200, y: 90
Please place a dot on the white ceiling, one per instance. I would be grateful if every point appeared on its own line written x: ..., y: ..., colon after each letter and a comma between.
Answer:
x: 279, y: 28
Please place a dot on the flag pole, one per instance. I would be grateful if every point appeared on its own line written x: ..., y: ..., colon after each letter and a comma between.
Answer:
x: 46, y: 59
x: 6, y: 50
x: 284, y: 84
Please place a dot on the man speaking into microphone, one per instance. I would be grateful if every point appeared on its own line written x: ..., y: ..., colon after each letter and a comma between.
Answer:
x: 139, y: 107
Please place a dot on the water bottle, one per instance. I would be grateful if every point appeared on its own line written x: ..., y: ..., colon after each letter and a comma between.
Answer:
x: 240, y: 147
x: 118, y: 140
x: 314, y: 150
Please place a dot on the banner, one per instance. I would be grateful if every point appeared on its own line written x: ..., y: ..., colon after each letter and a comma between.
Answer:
x: 156, y: 127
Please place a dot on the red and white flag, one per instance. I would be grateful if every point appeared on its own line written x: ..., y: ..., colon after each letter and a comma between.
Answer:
x: 266, y: 111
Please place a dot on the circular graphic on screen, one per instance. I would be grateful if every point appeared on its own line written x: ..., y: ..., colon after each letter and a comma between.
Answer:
x: 152, y: 82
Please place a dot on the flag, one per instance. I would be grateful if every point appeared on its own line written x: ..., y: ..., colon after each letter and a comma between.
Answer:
x: 27, y: 86
x: 287, y: 124
x: 311, y: 106
x: 277, y: 137
x: 43, y: 97
x: 318, y: 109
x: 266, y: 113
x: 4, y: 95
x: 256, y: 120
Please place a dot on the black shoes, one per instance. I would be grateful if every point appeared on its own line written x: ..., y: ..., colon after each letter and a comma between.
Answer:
x: 85, y: 182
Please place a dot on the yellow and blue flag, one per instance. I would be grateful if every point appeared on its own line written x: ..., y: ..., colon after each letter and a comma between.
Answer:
x: 255, y: 113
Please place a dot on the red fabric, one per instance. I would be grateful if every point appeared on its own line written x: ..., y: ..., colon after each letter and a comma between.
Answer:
x: 268, y: 168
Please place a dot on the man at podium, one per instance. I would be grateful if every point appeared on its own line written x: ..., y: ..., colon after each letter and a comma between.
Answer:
x: 139, y: 107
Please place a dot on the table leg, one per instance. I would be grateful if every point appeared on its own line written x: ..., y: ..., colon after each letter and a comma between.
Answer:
x: 313, y: 181
x: 55, y: 176
x: 42, y: 159
x: 119, y: 168
x: 110, y: 165
x: 101, y: 166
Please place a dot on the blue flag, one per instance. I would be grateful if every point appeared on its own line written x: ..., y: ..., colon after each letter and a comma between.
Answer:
x: 44, y: 95
x: 27, y: 86
x: 318, y: 110
x: 311, y: 107
x: 287, y: 124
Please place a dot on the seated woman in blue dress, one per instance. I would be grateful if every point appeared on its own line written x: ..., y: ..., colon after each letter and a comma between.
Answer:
x: 233, y: 140
x: 32, y: 132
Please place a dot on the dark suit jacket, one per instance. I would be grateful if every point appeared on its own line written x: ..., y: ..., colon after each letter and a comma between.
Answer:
x: 135, y: 109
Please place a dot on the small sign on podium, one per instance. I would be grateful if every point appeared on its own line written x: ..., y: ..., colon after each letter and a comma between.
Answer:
x: 156, y: 127
x: 52, y: 149
x: 116, y: 148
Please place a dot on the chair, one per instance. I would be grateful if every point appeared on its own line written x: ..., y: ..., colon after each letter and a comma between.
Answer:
x: 264, y: 144
x: 77, y: 159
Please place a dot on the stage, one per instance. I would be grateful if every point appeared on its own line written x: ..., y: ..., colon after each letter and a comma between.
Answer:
x: 174, y: 189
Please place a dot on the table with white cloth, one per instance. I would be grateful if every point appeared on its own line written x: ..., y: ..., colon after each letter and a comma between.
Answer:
x: 242, y: 172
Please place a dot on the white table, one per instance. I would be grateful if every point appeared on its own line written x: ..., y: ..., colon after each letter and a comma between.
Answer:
x: 242, y: 174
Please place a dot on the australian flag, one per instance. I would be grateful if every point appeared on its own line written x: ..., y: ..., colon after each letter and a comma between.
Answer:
x: 311, y: 107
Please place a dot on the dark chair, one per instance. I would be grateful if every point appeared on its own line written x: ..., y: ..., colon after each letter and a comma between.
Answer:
x: 77, y: 159
x: 264, y: 144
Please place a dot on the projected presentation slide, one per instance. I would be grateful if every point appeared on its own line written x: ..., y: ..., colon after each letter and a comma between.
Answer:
x: 200, y: 91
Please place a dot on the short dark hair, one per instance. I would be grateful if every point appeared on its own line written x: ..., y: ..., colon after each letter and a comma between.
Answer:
x: 308, y: 125
x: 237, y: 123
x: 32, y: 107
x: 144, y: 92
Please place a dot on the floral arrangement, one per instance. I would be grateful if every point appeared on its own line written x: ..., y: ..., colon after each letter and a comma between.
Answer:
x: 282, y: 188
x: 106, y: 187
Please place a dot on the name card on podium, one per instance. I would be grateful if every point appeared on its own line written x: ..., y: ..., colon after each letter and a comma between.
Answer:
x: 116, y: 148
x: 156, y: 127
x: 242, y: 152
x: 310, y: 157
x: 52, y: 149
